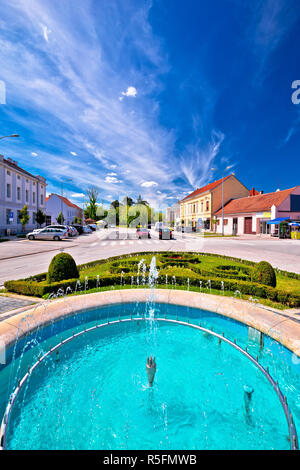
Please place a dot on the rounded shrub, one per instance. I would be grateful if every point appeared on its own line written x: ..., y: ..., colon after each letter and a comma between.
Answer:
x: 263, y: 273
x: 62, y: 267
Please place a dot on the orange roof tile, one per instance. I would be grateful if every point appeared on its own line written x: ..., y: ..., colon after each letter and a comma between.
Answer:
x: 262, y: 202
x: 208, y: 187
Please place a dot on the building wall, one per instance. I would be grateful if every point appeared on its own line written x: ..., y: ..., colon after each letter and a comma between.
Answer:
x: 55, y: 205
x: 233, y: 189
x: 24, y: 190
x: 198, y: 207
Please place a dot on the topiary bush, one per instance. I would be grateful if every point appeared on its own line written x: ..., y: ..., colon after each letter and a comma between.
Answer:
x: 62, y: 267
x: 263, y: 273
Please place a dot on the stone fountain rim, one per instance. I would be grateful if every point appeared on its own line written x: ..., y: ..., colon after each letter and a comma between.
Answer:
x: 280, y: 327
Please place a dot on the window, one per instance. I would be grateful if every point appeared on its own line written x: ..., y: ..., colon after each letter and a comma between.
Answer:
x: 8, y: 214
x: 33, y: 183
x: 42, y: 199
x: 18, y: 217
x: 33, y: 198
x: 18, y: 193
x: 19, y: 177
x: 201, y: 206
x: 225, y: 221
x: 26, y: 195
x: 8, y: 190
x: 34, y: 217
x: 207, y: 205
x: 8, y: 173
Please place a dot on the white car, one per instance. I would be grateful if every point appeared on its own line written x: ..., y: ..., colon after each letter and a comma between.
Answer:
x: 48, y: 234
x: 87, y: 229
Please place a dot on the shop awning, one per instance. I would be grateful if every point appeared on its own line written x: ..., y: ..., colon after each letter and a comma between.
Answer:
x: 295, y: 224
x: 277, y: 221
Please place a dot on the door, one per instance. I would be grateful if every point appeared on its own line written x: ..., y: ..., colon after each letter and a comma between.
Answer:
x: 235, y: 226
x: 248, y: 225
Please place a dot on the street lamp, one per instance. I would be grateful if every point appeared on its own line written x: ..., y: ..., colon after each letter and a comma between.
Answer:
x: 226, y: 169
x: 7, y: 136
x: 65, y: 180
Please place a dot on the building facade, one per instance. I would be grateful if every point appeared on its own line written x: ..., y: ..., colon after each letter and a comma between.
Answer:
x: 198, y: 208
x: 56, y: 204
x: 18, y: 188
x: 173, y: 214
x: 250, y: 215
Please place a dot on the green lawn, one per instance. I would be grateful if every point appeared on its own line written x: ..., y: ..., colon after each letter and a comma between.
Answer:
x: 181, y: 270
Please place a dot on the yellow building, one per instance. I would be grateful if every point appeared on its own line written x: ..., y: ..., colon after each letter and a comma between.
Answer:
x: 198, y: 208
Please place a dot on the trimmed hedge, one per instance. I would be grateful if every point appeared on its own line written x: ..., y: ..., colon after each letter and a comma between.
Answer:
x: 264, y: 274
x: 62, y: 267
x: 39, y: 289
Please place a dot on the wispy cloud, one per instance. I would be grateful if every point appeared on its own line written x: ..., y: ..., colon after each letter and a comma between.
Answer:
x: 198, y: 169
x: 69, y: 84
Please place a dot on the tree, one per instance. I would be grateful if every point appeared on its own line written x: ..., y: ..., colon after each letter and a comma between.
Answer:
x: 75, y: 219
x: 115, y: 204
x: 128, y: 201
x: 24, y: 217
x: 40, y: 217
x: 91, y: 208
x: 79, y: 220
x: 141, y: 201
x: 60, y: 218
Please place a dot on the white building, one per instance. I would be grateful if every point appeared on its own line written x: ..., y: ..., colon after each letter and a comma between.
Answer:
x: 56, y: 204
x: 17, y: 189
x: 173, y: 214
x: 256, y: 213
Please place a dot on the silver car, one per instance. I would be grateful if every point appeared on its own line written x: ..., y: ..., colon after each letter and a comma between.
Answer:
x: 48, y: 234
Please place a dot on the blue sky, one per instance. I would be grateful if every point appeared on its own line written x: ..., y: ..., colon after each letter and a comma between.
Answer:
x: 138, y: 96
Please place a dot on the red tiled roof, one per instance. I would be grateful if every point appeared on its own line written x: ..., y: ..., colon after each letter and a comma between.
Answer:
x: 208, y: 187
x: 65, y: 201
x: 262, y: 202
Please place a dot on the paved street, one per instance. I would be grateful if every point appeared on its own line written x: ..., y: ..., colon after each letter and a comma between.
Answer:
x: 22, y: 258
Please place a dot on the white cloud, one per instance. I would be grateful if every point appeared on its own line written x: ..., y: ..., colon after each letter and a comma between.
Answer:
x: 74, y: 154
x: 112, y: 174
x: 112, y: 179
x: 46, y: 32
x: 34, y: 154
x: 130, y: 92
x: 77, y: 195
x: 149, y: 184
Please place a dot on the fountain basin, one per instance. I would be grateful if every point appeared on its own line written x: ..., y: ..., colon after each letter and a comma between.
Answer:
x: 190, y: 417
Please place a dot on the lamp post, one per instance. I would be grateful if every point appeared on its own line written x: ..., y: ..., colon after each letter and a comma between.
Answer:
x: 8, y: 136
x: 65, y: 180
x: 222, y: 173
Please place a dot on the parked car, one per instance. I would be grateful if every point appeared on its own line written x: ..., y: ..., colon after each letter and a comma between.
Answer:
x: 87, y: 229
x: 165, y: 233
x: 93, y: 227
x: 61, y: 227
x: 78, y: 227
x: 48, y: 234
x: 74, y: 231
x: 143, y: 233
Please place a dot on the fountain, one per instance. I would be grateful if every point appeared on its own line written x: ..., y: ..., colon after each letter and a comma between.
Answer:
x: 98, y: 281
x: 111, y: 419
x: 222, y: 287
